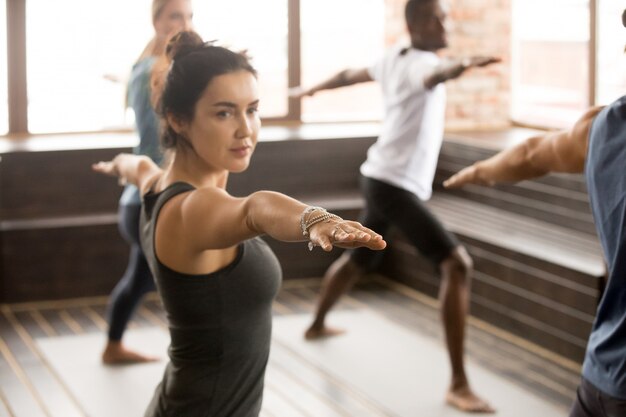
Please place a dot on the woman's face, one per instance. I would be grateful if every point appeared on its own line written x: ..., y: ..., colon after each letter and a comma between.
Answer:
x: 226, y: 123
x: 175, y: 17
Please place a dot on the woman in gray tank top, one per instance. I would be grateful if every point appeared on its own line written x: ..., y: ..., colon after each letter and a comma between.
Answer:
x: 216, y: 278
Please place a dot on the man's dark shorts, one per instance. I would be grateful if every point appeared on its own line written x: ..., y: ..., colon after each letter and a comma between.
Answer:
x: 386, y: 206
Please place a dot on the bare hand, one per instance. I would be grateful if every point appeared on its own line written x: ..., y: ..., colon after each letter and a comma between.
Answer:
x: 105, y: 167
x: 298, y: 92
x: 467, y: 175
x: 482, y: 61
x: 345, y: 234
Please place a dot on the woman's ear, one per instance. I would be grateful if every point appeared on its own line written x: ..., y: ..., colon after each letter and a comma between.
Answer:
x: 176, y: 123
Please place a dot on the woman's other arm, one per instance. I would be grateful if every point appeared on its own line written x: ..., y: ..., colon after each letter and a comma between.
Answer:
x: 213, y: 219
x: 138, y: 170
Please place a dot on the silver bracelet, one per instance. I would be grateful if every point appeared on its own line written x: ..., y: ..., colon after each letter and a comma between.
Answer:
x: 303, y: 220
x: 323, y: 217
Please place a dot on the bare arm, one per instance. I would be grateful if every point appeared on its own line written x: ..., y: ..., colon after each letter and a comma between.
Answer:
x: 138, y: 170
x: 563, y: 151
x: 341, y: 79
x: 455, y: 68
x: 212, y: 219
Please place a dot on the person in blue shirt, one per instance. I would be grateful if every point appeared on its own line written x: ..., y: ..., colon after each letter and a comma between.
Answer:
x: 595, y: 145
x: 168, y: 18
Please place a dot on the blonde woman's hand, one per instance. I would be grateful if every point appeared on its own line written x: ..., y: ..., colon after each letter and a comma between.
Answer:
x: 299, y: 92
x: 344, y: 234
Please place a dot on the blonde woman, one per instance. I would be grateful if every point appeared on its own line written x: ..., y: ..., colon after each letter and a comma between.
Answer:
x: 168, y: 18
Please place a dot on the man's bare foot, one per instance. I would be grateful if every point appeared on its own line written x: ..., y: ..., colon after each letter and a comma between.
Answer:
x: 465, y: 400
x: 323, y: 332
x: 116, y: 353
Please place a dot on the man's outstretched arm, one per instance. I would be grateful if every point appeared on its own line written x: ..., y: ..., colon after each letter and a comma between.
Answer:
x: 341, y: 79
x: 456, y: 68
x: 563, y: 151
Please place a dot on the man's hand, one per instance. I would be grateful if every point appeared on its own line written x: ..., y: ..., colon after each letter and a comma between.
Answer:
x: 480, y: 61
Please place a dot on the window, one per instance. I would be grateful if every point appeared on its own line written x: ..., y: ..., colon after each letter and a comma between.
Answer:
x: 559, y: 66
x: 72, y: 45
x: 75, y: 48
x: 4, y: 101
x: 331, y: 43
x: 262, y: 31
x: 70, y: 57
x: 550, y: 61
x: 611, y: 61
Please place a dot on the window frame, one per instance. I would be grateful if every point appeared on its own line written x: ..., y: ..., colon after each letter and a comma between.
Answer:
x: 17, y: 89
x: 592, y: 67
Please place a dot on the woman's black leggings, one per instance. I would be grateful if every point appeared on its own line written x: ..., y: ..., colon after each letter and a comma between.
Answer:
x: 136, y: 281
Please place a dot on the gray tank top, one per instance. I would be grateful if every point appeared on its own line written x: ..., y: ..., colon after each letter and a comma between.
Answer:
x: 220, y: 326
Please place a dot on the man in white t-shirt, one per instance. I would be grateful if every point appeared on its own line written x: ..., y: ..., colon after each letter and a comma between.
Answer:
x: 397, y: 178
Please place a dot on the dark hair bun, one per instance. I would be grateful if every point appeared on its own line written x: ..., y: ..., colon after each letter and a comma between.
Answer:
x: 182, y: 44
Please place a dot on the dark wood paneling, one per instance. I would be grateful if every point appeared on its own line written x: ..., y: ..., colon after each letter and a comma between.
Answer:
x: 303, y: 168
x: 56, y: 184
x: 64, y: 262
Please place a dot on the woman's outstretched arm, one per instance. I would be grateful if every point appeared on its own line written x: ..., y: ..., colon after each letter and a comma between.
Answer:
x: 138, y: 170
x: 213, y: 219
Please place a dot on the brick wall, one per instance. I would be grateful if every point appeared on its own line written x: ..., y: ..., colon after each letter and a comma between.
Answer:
x: 480, y: 98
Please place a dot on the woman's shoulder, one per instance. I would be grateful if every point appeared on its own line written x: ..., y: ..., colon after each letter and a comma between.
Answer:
x: 204, y: 196
x: 153, y: 190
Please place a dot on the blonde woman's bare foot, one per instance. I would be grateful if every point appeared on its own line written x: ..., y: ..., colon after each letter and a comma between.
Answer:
x: 116, y: 353
x: 465, y: 400
x: 323, y: 332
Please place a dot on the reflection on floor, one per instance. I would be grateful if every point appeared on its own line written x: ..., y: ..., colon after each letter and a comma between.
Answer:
x: 390, y: 363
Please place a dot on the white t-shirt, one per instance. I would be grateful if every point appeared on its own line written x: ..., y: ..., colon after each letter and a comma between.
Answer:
x: 406, y: 153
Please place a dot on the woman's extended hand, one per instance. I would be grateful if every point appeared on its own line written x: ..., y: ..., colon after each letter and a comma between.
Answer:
x: 106, y: 167
x: 129, y: 168
x: 344, y: 234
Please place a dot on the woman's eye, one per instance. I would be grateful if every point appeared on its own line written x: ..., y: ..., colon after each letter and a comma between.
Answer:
x: 253, y: 110
x: 223, y: 114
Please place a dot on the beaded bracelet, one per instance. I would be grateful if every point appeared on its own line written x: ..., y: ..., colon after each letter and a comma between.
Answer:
x: 303, y: 220
x: 306, y: 224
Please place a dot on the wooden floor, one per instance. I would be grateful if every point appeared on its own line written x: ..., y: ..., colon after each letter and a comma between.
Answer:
x: 30, y: 388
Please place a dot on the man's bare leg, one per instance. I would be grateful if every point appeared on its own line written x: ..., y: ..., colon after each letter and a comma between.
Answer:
x: 115, y: 353
x: 339, y: 278
x: 454, y: 299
